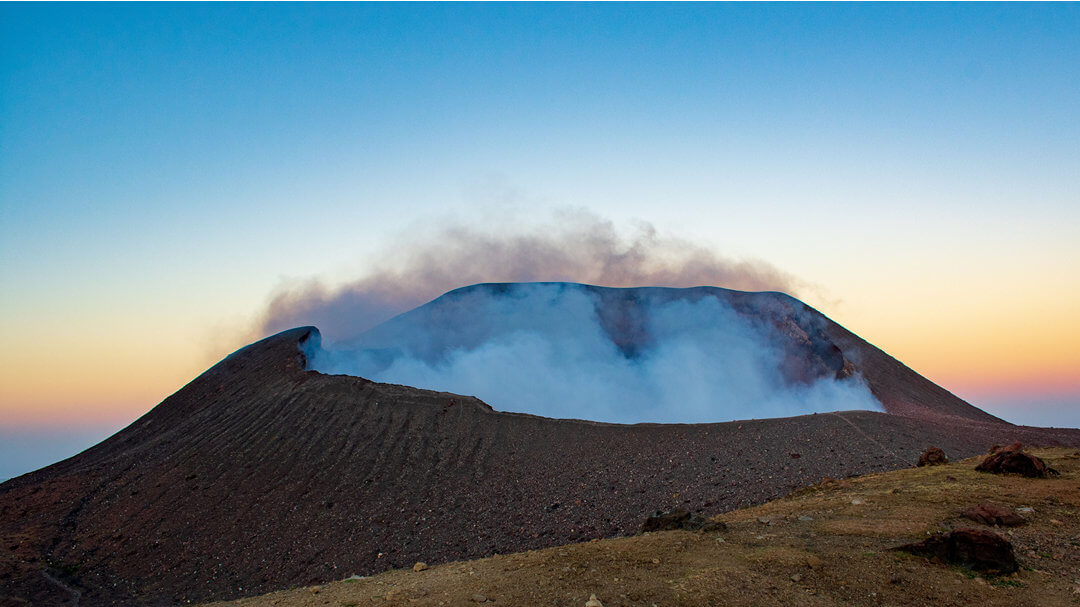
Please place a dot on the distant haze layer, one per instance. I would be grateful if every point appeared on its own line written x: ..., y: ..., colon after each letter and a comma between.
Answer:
x: 544, y: 349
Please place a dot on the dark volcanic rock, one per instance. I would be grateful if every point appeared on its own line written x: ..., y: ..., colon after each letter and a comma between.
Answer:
x: 969, y: 548
x: 1014, y: 461
x: 990, y: 514
x: 259, y: 474
x: 680, y: 519
x: 933, y: 457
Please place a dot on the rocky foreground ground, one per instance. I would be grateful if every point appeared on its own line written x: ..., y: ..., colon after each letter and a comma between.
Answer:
x: 833, y: 543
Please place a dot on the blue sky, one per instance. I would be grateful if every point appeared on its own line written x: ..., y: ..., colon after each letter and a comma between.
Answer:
x: 916, y: 163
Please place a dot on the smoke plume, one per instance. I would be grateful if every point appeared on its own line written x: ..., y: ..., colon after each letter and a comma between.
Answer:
x: 575, y: 246
x: 571, y: 351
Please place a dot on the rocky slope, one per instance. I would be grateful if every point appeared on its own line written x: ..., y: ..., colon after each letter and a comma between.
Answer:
x: 260, y: 474
x: 830, y: 544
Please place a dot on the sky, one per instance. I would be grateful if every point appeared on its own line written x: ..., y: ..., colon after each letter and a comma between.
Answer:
x: 167, y: 170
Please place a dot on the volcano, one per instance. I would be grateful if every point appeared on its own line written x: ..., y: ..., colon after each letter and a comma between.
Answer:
x: 263, y: 473
x: 743, y: 340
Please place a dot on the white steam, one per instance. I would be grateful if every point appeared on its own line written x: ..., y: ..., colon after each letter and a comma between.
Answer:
x: 544, y: 349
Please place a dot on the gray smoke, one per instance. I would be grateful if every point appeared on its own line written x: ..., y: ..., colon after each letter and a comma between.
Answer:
x: 575, y: 246
x: 546, y: 349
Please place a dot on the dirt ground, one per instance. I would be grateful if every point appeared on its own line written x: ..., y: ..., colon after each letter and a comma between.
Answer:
x: 830, y: 544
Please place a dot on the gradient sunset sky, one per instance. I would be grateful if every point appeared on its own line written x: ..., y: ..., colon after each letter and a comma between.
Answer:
x: 166, y: 169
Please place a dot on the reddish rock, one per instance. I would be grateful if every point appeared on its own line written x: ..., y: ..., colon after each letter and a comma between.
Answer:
x: 990, y: 514
x: 1012, y: 447
x: 969, y: 548
x: 933, y: 457
x: 1015, y: 461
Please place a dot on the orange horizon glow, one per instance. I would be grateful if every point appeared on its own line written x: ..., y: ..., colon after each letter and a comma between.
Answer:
x: 117, y: 389
x: 65, y: 372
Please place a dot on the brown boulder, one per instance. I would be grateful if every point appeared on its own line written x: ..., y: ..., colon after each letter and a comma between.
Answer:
x: 680, y: 519
x: 968, y: 548
x: 933, y: 457
x: 1015, y: 461
x: 990, y: 514
x: 1013, y: 447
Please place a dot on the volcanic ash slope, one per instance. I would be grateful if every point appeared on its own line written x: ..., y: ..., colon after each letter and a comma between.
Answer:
x: 261, y: 474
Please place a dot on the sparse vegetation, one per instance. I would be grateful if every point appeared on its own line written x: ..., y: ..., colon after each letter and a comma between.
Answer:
x: 1006, y: 583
